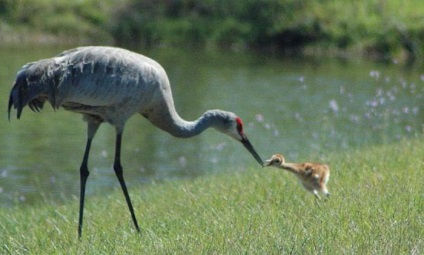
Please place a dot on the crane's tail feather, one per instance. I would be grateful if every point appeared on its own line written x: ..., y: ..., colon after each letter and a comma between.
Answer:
x: 36, y: 105
x: 15, y: 100
x: 10, y: 106
x: 19, y: 98
x: 31, y: 80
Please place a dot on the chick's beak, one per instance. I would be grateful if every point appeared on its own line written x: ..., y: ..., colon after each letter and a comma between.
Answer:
x: 267, y: 162
x: 250, y: 148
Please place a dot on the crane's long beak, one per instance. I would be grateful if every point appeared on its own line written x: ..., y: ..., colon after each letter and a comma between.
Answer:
x: 250, y: 148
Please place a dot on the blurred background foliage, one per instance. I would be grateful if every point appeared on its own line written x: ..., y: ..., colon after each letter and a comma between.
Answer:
x: 378, y: 28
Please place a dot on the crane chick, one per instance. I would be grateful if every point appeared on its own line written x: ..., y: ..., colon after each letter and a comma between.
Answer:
x: 313, y: 176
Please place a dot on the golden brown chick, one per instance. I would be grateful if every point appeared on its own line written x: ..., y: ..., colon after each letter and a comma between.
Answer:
x: 313, y: 176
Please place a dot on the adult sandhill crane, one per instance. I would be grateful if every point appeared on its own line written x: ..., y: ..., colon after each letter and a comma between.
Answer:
x: 108, y: 84
x: 313, y: 176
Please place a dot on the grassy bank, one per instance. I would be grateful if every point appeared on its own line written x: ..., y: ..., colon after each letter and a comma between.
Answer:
x: 376, y: 208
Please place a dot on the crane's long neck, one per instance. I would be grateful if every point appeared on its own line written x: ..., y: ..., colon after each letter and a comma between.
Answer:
x: 162, y: 113
x: 178, y: 127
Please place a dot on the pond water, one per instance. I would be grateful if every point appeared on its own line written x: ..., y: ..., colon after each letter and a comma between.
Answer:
x: 304, y: 108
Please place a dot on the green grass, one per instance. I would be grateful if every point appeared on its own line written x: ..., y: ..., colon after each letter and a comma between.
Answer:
x: 376, y: 207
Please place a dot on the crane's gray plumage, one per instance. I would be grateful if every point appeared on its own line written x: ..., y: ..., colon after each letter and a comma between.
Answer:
x: 108, y: 84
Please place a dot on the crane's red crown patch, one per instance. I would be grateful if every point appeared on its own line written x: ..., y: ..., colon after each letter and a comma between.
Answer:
x: 239, y: 125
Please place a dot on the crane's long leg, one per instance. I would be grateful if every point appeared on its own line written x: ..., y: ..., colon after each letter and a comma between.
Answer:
x: 92, y: 127
x: 83, y: 177
x: 119, y: 173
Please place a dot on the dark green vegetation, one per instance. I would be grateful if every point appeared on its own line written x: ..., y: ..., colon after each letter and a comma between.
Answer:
x: 375, y: 208
x: 382, y: 29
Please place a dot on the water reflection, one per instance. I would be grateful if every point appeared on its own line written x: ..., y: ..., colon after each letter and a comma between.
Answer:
x: 299, y: 107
